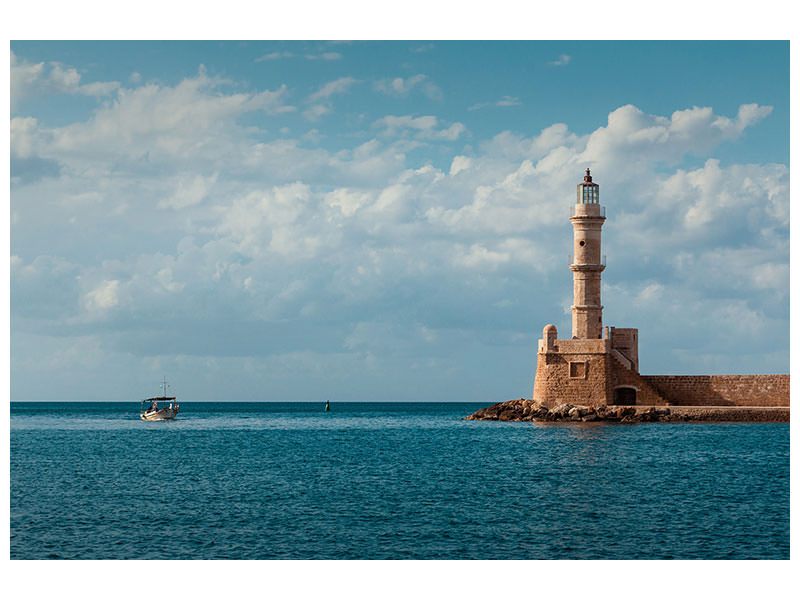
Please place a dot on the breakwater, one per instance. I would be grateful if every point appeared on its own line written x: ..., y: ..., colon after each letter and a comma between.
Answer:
x: 528, y: 410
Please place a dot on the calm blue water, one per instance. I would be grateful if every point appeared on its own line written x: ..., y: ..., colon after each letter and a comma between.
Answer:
x: 388, y: 481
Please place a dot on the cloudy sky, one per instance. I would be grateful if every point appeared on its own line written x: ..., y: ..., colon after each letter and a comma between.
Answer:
x: 386, y: 220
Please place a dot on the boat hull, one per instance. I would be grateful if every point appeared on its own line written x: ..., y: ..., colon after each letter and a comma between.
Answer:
x: 165, y: 414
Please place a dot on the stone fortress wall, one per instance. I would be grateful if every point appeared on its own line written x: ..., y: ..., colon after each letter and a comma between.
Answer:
x: 721, y: 390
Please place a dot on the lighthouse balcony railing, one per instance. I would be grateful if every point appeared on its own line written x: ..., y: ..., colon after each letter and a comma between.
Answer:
x: 572, y: 210
x: 572, y: 261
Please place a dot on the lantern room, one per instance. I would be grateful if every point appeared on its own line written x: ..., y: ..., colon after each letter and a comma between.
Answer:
x: 588, y: 192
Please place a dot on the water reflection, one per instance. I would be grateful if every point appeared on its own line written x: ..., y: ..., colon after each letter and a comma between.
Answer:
x: 579, y: 430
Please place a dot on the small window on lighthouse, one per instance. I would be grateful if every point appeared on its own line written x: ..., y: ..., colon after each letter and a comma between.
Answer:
x: 577, y: 370
x: 582, y: 242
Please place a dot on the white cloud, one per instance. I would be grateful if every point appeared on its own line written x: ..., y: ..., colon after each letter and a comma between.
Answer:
x: 25, y: 136
x: 561, y: 61
x: 324, y: 94
x: 324, y: 56
x: 504, y: 101
x: 24, y: 76
x: 478, y: 257
x: 508, y: 101
x: 316, y: 112
x: 399, y: 86
x: 425, y: 127
x: 51, y: 78
x: 64, y: 80
x: 165, y: 279
x: 337, y: 86
x: 157, y: 121
x: 263, y: 221
x: 189, y: 191
x: 460, y: 163
x: 516, y: 147
x: 104, y: 296
x: 347, y: 201
x: 632, y: 138
x: 274, y: 56
x: 518, y: 202
x: 423, y: 47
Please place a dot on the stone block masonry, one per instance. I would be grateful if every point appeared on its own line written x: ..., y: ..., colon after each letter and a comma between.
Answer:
x: 721, y: 390
x: 579, y: 378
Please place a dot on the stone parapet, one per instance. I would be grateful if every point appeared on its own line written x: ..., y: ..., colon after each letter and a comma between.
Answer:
x: 577, y: 346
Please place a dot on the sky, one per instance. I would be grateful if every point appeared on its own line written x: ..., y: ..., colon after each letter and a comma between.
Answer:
x: 386, y: 221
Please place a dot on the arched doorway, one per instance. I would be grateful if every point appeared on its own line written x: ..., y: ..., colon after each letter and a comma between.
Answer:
x: 625, y: 396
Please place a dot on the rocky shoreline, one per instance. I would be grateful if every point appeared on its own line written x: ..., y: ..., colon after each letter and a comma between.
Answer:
x: 528, y: 410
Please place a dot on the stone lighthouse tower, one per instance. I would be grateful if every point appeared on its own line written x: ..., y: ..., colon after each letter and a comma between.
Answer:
x: 597, y: 365
x: 587, y: 264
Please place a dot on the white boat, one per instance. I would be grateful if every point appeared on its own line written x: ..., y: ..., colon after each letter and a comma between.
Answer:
x: 167, y: 412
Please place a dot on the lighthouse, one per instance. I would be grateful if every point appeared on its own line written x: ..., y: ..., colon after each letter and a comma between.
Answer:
x: 587, y: 217
x: 597, y: 365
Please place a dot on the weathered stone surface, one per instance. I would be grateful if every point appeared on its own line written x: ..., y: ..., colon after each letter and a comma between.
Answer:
x: 513, y: 410
x: 561, y: 411
x: 527, y: 410
x: 512, y: 414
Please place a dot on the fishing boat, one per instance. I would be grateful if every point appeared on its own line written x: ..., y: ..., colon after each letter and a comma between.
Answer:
x: 149, y: 410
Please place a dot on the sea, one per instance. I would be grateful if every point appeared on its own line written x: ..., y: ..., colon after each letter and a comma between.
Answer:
x: 236, y: 480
